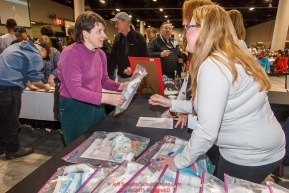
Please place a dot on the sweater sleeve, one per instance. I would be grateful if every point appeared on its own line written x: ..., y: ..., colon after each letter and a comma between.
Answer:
x: 182, y: 106
x: 72, y: 76
x: 212, y: 94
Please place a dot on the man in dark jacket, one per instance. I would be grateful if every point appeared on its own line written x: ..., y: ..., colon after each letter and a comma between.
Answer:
x: 127, y: 43
x: 166, y: 48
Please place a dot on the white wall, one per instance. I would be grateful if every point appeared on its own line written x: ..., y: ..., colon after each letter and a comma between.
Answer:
x: 260, y: 33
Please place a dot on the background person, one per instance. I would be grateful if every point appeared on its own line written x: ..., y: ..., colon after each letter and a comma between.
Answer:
x: 151, y: 33
x: 238, y: 23
x: 71, y: 34
x: 167, y: 49
x: 48, y: 31
x: 6, y: 39
x: 20, y: 34
x: 263, y: 60
x: 82, y: 72
x: 229, y: 91
x: 128, y: 42
x: 18, y: 63
x: 50, y: 63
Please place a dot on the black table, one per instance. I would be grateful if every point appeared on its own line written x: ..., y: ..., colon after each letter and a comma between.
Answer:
x: 125, y: 122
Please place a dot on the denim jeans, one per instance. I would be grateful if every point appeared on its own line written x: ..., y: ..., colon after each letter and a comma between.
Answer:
x: 10, y: 104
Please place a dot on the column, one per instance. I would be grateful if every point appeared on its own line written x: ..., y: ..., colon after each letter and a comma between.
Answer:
x: 281, y: 26
x: 141, y: 27
x: 79, y: 8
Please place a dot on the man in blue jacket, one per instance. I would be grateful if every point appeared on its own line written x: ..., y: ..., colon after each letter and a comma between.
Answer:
x: 19, y: 63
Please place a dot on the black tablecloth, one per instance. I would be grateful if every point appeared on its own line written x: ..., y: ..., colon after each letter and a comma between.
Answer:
x: 125, y: 122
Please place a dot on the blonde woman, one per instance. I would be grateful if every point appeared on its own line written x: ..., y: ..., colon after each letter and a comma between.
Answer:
x: 50, y: 63
x: 238, y: 23
x: 228, y: 87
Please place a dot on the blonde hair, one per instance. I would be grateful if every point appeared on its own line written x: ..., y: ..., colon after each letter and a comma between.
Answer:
x: 238, y: 23
x: 46, y: 39
x: 218, y: 34
x: 188, y: 7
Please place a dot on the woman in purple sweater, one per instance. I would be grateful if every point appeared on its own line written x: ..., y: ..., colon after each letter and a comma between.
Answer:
x: 82, y: 72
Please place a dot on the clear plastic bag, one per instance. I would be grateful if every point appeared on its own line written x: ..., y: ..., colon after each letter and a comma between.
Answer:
x: 120, y: 177
x: 211, y: 184
x: 171, y: 145
x: 275, y: 188
x: 68, y: 178
x: 99, y: 174
x: 112, y: 146
x: 236, y: 185
x: 134, y: 82
x: 175, y: 181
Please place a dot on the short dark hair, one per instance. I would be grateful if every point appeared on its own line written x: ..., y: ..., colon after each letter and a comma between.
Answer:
x: 86, y: 21
x: 47, y: 30
x: 71, y: 29
x: 11, y: 23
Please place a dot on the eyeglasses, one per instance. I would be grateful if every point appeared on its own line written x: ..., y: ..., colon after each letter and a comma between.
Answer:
x: 190, y: 26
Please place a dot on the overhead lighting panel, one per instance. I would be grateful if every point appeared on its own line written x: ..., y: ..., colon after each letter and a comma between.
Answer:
x: 102, y: 1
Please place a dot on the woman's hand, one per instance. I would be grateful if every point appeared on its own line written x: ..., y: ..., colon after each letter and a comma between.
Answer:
x: 113, y: 99
x: 51, y: 80
x: 160, y: 100
x: 182, y: 120
x: 165, y: 160
x: 123, y: 86
x: 31, y: 86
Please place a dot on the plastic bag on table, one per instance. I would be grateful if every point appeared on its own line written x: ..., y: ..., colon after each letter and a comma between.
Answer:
x: 68, y: 178
x: 112, y: 146
x: 98, y: 175
x: 275, y: 188
x: 236, y: 185
x: 176, y: 181
x: 119, y: 177
x: 211, y: 184
x: 171, y: 145
x: 132, y: 86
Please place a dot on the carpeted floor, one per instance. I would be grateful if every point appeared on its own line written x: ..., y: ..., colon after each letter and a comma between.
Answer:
x: 46, y: 144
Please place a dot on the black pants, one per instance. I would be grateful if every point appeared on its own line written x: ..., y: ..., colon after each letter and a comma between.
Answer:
x: 254, y: 174
x: 10, y: 104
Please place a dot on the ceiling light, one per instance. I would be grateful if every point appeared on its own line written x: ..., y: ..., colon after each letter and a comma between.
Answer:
x: 270, y: 5
x: 161, y: 9
x: 251, y: 8
x: 168, y: 21
x: 149, y: 26
x: 117, y: 9
x: 172, y: 26
x: 154, y: 0
x: 166, y: 16
x: 32, y: 22
x: 137, y: 20
x: 102, y: 1
x: 130, y: 15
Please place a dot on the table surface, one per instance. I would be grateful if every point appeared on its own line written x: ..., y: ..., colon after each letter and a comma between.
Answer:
x: 125, y: 122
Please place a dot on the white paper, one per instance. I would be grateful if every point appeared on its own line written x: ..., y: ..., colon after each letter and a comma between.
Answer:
x: 161, y: 123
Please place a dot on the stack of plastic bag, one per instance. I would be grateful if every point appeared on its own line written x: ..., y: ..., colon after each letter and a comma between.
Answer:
x: 68, y: 178
x: 105, y: 146
x: 132, y: 86
x: 236, y: 185
x: 211, y: 184
x: 121, y: 176
x: 171, y: 145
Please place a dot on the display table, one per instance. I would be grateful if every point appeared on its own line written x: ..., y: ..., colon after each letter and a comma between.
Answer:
x: 125, y: 122
x: 37, y: 105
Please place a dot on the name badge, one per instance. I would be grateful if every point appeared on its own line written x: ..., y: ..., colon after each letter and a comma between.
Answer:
x: 192, y: 120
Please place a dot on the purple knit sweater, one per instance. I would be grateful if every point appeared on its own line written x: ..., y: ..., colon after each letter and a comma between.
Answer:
x: 83, y: 74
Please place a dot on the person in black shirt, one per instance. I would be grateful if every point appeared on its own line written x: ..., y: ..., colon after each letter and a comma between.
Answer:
x: 48, y: 31
x: 128, y: 42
